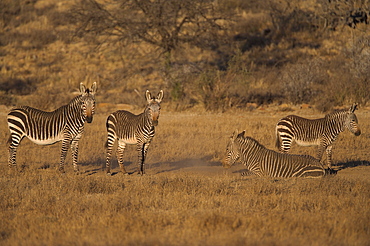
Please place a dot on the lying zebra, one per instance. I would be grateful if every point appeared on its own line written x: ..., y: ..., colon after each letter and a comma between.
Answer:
x: 265, y: 162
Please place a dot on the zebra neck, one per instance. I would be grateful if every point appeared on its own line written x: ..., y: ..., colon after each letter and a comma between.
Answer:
x: 146, y: 119
x: 337, y: 121
x: 248, y: 149
x: 74, y: 112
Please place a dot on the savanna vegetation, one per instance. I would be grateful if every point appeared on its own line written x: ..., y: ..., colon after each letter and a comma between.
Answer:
x: 223, y: 65
x: 213, y: 55
x: 186, y: 196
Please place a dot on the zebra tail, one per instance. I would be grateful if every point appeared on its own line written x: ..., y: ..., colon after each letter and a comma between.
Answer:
x: 107, y: 126
x: 278, y: 140
x: 9, y: 140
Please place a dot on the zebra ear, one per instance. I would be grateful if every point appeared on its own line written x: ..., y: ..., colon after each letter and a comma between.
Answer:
x: 93, y: 88
x: 241, y: 134
x: 160, y: 96
x: 82, y: 88
x: 235, y: 134
x: 353, y: 108
x: 148, y: 96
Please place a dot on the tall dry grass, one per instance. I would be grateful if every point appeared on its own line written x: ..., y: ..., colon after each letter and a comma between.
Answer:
x: 186, y: 198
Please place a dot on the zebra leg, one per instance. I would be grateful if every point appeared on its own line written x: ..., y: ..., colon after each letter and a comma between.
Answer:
x: 286, y: 143
x: 142, y: 149
x: 63, y: 153
x: 329, y: 155
x: 146, y: 146
x: 74, y: 149
x: 13, y: 141
x: 320, y: 151
x: 109, y: 146
x: 120, y: 149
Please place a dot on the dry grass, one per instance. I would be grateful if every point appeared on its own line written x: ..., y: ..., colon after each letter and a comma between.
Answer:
x: 186, y: 198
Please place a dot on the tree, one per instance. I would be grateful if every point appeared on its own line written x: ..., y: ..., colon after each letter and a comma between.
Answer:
x: 165, y: 24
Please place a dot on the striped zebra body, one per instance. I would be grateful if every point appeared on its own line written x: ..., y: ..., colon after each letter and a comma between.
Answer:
x: 265, y: 162
x: 318, y: 132
x: 128, y: 128
x: 64, y: 124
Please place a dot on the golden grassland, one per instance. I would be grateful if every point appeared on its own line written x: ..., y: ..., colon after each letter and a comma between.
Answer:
x: 186, y: 197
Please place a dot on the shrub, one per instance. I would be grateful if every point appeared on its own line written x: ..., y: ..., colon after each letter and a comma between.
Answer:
x: 300, y: 82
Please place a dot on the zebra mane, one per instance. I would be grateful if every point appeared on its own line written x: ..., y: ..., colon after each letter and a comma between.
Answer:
x: 251, y: 141
x: 75, y: 100
x: 336, y: 113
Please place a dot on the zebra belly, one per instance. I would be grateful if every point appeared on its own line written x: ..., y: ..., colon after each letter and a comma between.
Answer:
x: 307, y: 143
x: 45, y: 141
x: 129, y: 141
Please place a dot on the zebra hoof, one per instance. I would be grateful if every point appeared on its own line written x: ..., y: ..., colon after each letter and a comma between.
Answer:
x: 108, y: 174
x: 331, y: 171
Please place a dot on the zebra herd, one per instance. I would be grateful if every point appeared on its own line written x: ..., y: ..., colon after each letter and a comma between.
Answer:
x: 66, y: 124
x: 305, y: 132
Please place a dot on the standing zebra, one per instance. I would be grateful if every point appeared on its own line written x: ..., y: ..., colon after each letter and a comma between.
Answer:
x: 318, y: 132
x: 128, y: 128
x: 64, y: 124
x: 265, y: 162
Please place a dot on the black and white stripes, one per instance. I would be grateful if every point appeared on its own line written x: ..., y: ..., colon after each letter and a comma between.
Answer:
x: 128, y: 128
x: 318, y: 132
x: 265, y: 162
x: 64, y: 124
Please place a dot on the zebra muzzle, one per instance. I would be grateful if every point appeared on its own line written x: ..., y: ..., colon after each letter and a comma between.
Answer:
x: 89, y: 115
x: 89, y: 118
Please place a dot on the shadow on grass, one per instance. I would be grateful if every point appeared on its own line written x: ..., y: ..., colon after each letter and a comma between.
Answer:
x: 205, y: 162
x: 244, y: 172
x: 343, y: 165
x: 99, y: 165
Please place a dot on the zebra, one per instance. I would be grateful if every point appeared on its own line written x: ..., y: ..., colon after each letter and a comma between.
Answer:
x: 128, y: 128
x: 318, y: 132
x: 64, y: 124
x: 263, y: 162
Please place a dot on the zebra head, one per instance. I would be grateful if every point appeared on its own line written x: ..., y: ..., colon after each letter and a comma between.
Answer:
x: 232, y: 152
x: 88, y: 101
x: 351, y: 122
x: 153, y: 107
